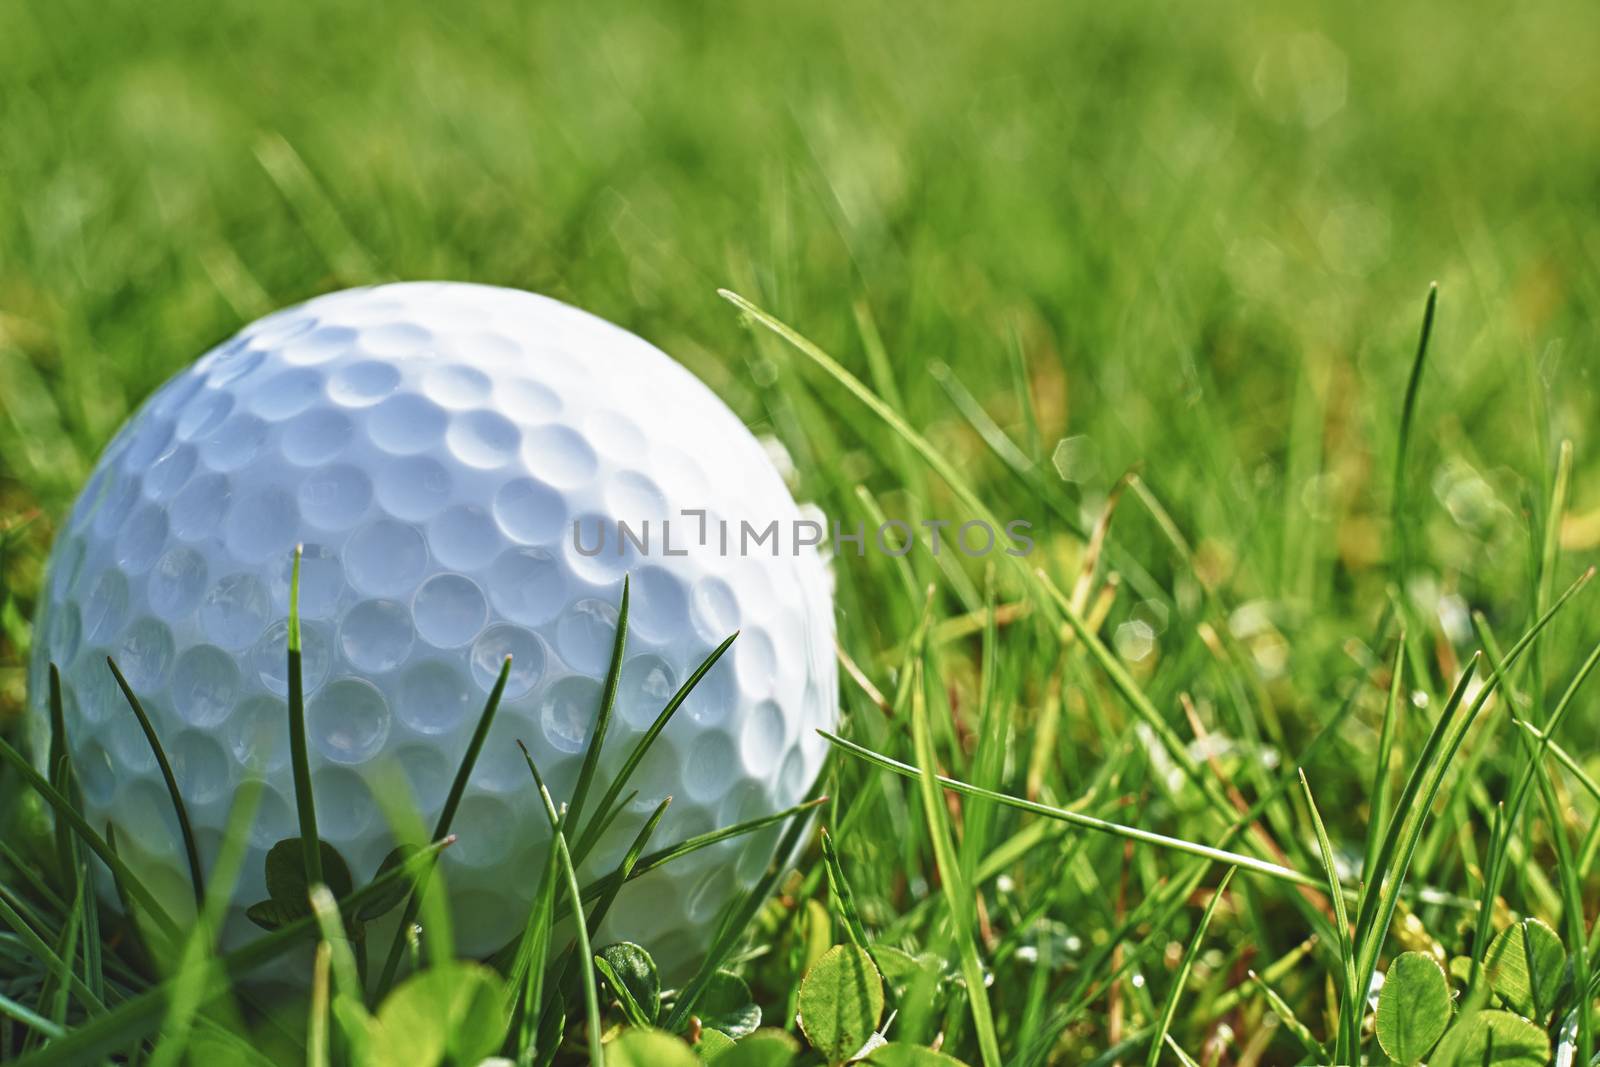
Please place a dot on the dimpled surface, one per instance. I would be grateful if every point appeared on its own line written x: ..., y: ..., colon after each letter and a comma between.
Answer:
x: 432, y: 446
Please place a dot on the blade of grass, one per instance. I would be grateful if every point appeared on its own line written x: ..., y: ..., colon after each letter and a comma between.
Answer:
x: 447, y: 814
x: 317, y: 1052
x: 1184, y: 1059
x: 591, y: 998
x: 1348, y: 1042
x: 1377, y: 824
x: 608, y: 699
x: 1400, y: 549
x: 60, y: 769
x: 603, y: 902
x: 587, y: 839
x: 346, y: 996
x: 28, y: 873
x: 36, y: 914
x: 305, y: 806
x: 188, y: 989
x: 1302, y: 1033
x: 989, y: 756
x: 1089, y: 822
x: 190, y: 850
x: 930, y: 455
x: 1565, y: 758
x: 1549, y: 555
x: 957, y: 900
x: 1169, y: 1008
x: 93, y: 958
x: 736, y: 920
x: 527, y: 973
x: 852, y: 916
x: 29, y: 1018
x: 841, y: 892
x: 1394, y: 856
x: 1408, y: 411
x: 341, y: 961
x: 69, y: 950
x: 661, y: 857
x: 630, y: 860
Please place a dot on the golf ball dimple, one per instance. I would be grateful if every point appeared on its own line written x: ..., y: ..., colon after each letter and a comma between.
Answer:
x: 432, y: 446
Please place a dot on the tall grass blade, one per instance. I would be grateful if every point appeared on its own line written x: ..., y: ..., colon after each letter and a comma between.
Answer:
x: 346, y: 994
x: 580, y: 925
x: 608, y: 700
x: 317, y: 1052
x: 447, y: 814
x: 841, y: 892
x: 604, y: 899
x: 1377, y: 824
x: 60, y: 771
x: 190, y: 851
x: 1563, y: 757
x: 1169, y: 1008
x: 1285, y: 1013
x: 1408, y: 410
x: 304, y: 803
x: 587, y: 838
x: 1088, y: 822
x: 630, y: 860
x: 1499, y: 859
x: 527, y: 972
x: 1348, y: 1040
x: 957, y: 899
x: 69, y: 949
x: 736, y: 919
x: 30, y: 1018
x: 663, y: 856
x: 188, y: 988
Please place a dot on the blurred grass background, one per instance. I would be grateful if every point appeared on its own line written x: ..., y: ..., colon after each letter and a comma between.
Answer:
x: 1207, y: 229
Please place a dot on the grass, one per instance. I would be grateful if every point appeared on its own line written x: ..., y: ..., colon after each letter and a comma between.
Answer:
x: 1154, y: 279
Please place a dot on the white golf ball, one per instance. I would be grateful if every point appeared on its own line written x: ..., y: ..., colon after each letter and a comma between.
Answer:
x: 433, y: 447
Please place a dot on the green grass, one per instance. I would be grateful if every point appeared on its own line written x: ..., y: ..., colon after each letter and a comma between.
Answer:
x: 988, y: 260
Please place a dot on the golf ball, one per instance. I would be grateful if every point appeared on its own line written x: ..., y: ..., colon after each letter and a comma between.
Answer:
x: 450, y: 456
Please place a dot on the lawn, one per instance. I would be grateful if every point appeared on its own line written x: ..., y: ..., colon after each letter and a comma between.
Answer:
x: 1152, y: 278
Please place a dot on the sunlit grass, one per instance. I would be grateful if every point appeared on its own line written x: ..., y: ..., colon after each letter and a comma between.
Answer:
x: 1152, y: 279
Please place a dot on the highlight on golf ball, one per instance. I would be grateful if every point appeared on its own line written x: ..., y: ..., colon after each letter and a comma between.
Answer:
x: 471, y: 472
